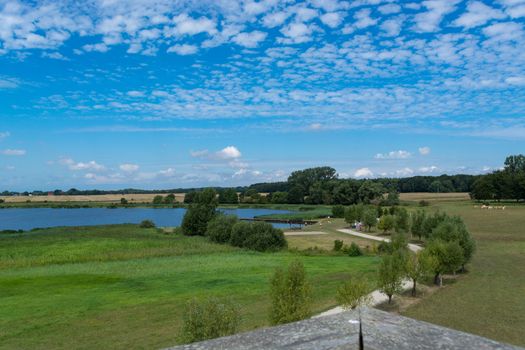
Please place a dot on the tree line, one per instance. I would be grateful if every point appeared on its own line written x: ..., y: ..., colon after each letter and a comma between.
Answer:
x: 507, y: 183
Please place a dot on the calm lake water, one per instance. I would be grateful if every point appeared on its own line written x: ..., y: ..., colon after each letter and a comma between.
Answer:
x: 29, y: 218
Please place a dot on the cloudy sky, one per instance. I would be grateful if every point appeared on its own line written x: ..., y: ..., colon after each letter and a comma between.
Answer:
x: 167, y: 93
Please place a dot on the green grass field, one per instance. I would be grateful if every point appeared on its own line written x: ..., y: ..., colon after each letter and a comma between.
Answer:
x: 115, y: 287
x: 490, y: 299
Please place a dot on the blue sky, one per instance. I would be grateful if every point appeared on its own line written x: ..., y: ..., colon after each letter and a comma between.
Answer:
x: 163, y: 93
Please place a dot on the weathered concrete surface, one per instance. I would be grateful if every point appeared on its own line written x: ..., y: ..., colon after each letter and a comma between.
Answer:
x: 381, y: 330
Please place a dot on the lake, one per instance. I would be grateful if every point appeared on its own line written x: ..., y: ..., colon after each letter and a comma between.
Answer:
x: 29, y: 218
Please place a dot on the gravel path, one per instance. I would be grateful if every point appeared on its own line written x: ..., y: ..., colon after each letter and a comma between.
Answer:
x: 412, y: 247
x: 304, y: 233
x: 376, y: 298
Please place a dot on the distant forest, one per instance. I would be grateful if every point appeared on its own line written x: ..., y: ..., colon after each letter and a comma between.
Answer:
x: 322, y: 185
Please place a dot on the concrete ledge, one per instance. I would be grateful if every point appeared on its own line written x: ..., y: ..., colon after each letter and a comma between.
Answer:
x: 381, y: 330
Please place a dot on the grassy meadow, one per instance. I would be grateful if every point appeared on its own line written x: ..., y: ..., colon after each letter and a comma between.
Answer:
x: 490, y: 299
x: 125, y: 287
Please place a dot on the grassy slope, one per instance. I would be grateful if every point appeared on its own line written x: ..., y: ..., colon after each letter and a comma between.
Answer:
x: 124, y: 287
x: 489, y: 300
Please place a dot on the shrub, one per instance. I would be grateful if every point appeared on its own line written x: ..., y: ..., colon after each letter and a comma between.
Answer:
x: 147, y: 224
x: 424, y: 203
x: 338, y: 211
x: 338, y: 244
x: 209, y: 318
x: 353, y: 293
x: 123, y: 201
x: 219, y: 229
x: 290, y: 294
x: 390, y: 275
x: 260, y: 236
x: 354, y: 250
x: 386, y: 223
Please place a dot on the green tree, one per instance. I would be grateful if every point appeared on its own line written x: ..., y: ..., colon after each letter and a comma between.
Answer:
x: 208, y: 319
x: 418, y: 266
x: 290, y: 294
x: 199, y: 213
x: 515, y: 163
x: 369, y: 218
x: 354, y: 213
x: 169, y: 199
x: 353, y: 293
x: 448, y: 258
x: 402, y: 220
x: 228, y: 196
x: 369, y: 190
x: 453, y: 229
x: 417, y: 223
x: 390, y: 275
x: 279, y: 197
x: 158, y: 199
x: 296, y: 195
x: 386, y: 223
x: 189, y: 197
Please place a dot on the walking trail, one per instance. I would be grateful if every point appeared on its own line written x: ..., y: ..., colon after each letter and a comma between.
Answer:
x: 376, y: 297
x: 413, y: 247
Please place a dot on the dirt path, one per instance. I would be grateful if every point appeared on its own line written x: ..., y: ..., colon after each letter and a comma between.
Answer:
x: 413, y: 247
x: 376, y: 298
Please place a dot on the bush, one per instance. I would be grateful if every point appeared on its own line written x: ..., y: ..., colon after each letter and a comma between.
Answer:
x: 220, y: 228
x: 354, y: 250
x: 147, y: 224
x: 123, y: 201
x: 260, y: 236
x: 338, y: 245
x: 338, y: 211
x: 209, y: 318
x: 158, y: 199
x: 424, y: 203
x: 290, y: 294
x: 353, y: 293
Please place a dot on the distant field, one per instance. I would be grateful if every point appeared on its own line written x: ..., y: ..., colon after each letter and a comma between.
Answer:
x: 122, y: 287
x: 109, y: 198
x: 417, y: 196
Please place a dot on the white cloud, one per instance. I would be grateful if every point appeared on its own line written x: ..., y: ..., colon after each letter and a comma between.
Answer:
x: 430, y: 20
x: 504, y: 31
x: 389, y: 9
x: 4, y: 134
x: 363, y: 172
x: 273, y: 20
x: 392, y: 27
x: 332, y: 19
x: 478, y: 14
x: 230, y: 152
x: 394, y: 155
x: 100, y: 47
x: 6, y: 83
x: 428, y: 169
x: 297, y: 32
x: 249, y: 40
x: 186, y: 25
x: 72, y: 165
x: 129, y: 167
x: 363, y: 19
x: 54, y: 56
x: 520, y: 81
x: 184, y: 49
x: 135, y: 93
x: 13, y: 152
x: 404, y: 172
x: 424, y: 150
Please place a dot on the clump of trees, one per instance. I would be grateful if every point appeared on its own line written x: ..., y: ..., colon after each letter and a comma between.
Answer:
x: 209, y: 318
x: 290, y: 294
x: 508, y: 183
x: 199, y: 213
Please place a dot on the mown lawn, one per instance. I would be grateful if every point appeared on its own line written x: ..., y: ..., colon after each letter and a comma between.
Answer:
x: 490, y: 299
x: 115, y: 287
